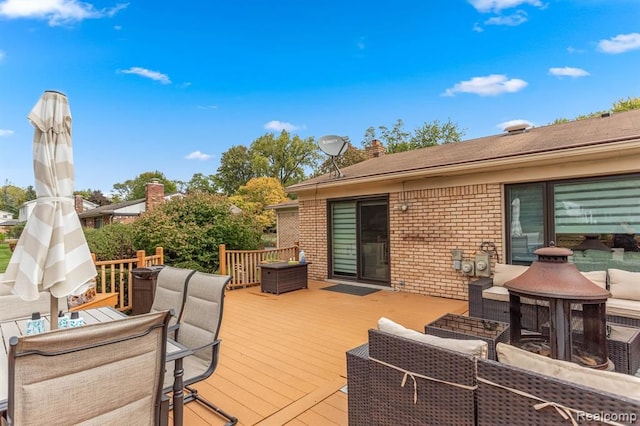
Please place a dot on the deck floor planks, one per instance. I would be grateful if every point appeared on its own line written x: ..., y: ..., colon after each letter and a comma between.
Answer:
x: 279, y: 351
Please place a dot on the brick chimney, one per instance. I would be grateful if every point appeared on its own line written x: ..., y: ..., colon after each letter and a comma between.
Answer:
x: 153, y: 194
x: 375, y: 149
x: 78, y: 203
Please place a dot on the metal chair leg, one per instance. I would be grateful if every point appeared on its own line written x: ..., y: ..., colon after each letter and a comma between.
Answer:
x: 192, y: 395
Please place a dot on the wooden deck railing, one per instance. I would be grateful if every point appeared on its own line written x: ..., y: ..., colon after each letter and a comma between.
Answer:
x: 243, y: 265
x: 115, y: 276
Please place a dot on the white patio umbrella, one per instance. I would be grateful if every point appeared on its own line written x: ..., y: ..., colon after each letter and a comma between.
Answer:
x: 52, y: 253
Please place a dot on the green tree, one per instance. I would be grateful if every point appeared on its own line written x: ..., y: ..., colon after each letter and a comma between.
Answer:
x: 191, y: 228
x: 626, y: 104
x: 434, y: 133
x: 397, y: 139
x: 235, y: 169
x: 619, y: 106
x: 285, y: 157
x: 258, y: 193
x: 11, y: 198
x: 30, y: 193
x: 95, y: 196
x: 134, y: 189
x: 201, y: 183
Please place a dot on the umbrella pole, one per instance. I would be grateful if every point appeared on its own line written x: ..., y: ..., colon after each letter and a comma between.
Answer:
x: 53, y: 305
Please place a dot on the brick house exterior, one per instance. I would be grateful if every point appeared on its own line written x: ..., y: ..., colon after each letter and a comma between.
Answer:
x: 457, y: 196
x: 127, y: 211
x: 287, y: 223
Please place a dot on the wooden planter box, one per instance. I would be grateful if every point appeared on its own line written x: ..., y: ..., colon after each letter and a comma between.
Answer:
x: 281, y: 277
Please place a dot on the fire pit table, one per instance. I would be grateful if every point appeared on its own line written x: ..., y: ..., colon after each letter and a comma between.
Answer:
x: 454, y: 326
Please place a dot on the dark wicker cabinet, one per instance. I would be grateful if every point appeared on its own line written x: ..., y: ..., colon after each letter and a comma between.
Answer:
x: 281, y: 277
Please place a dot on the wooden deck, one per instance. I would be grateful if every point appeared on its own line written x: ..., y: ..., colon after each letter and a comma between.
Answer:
x: 283, y: 357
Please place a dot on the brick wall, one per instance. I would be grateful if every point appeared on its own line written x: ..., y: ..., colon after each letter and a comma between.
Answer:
x: 436, y: 221
x: 312, y: 216
x: 421, y: 238
x: 287, y: 227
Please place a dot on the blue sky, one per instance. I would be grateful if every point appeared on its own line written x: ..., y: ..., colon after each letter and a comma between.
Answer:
x: 170, y: 86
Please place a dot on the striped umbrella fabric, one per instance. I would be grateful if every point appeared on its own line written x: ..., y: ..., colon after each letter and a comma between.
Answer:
x: 52, y: 253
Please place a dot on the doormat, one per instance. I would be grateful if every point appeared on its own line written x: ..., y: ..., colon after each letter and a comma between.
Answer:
x: 350, y: 289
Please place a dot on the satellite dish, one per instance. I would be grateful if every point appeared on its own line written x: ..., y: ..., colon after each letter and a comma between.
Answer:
x: 333, y: 146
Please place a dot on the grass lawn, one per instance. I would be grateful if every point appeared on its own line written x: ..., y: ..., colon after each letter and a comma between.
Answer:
x: 5, y: 255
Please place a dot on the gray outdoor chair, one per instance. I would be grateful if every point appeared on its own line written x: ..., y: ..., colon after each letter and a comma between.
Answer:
x: 171, y: 284
x: 198, y: 330
x: 108, y: 373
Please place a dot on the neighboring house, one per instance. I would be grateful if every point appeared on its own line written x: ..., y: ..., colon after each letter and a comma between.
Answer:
x: 126, y: 211
x: 287, y: 226
x: 7, y: 225
x: 394, y: 220
x: 81, y: 205
x: 5, y: 216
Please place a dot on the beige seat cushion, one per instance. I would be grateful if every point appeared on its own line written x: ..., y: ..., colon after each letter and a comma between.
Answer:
x: 608, y: 381
x: 477, y: 348
x: 501, y: 294
x: 623, y: 308
x: 597, y: 277
x: 503, y: 273
x: 624, y: 284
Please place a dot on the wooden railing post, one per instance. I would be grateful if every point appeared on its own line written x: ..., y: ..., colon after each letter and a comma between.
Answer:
x: 222, y: 258
x: 160, y: 254
x: 140, y: 259
x: 93, y: 258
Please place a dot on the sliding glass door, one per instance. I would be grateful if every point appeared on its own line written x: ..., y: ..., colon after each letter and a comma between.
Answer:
x: 359, y: 240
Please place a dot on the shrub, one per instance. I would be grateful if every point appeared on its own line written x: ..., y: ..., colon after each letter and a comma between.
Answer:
x: 191, y: 228
x: 111, y: 242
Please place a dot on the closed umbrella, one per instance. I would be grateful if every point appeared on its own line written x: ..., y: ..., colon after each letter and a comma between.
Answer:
x: 52, y: 253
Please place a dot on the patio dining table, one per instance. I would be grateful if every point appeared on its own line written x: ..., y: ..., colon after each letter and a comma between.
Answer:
x: 18, y: 327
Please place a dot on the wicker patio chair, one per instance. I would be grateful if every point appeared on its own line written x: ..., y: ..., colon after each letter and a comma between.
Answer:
x: 108, y: 373
x: 198, y: 330
x: 171, y: 285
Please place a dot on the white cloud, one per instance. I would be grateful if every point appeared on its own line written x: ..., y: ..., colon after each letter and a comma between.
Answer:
x: 153, y: 75
x: 5, y: 132
x: 117, y: 27
x: 519, y: 122
x: 360, y: 44
x: 520, y: 17
x: 490, y: 85
x: 477, y: 28
x: 620, y: 43
x: 197, y: 155
x: 495, y: 6
x: 568, y: 72
x: 207, y: 106
x: 280, y: 125
x: 56, y: 12
x: 2, y: 55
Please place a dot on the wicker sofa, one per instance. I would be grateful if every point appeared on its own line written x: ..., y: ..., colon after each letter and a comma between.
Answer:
x: 376, y: 370
x: 393, y: 380
x: 490, y: 300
